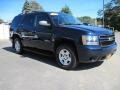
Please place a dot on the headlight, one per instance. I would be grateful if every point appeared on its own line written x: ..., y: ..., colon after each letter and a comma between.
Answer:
x: 90, y: 40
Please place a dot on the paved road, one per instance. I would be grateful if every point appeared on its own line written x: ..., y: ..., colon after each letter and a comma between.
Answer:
x: 35, y: 72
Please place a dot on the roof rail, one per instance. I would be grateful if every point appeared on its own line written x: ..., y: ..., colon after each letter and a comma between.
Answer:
x: 30, y: 12
x: 23, y: 13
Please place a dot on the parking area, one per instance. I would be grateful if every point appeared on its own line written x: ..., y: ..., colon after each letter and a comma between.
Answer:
x: 36, y: 72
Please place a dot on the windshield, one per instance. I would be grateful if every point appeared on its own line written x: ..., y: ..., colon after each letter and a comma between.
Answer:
x: 64, y: 19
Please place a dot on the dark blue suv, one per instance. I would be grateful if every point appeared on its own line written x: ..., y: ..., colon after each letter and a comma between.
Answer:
x: 62, y: 35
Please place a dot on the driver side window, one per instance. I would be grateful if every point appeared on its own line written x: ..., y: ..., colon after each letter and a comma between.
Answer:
x: 42, y: 17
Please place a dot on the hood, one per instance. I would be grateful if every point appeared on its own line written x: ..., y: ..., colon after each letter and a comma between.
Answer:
x: 91, y: 29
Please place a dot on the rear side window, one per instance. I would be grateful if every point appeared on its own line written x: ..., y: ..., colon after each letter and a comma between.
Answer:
x: 16, y: 21
x: 29, y: 20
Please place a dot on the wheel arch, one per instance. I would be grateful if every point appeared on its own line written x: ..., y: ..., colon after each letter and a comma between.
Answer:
x: 68, y: 42
x: 14, y: 37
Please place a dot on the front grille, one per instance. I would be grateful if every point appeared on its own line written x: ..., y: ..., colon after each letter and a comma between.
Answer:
x: 107, y: 40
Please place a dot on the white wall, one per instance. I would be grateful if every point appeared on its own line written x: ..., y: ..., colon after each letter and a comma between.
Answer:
x: 4, y: 32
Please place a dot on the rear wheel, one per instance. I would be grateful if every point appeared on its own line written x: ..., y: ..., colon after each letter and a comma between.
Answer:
x: 18, y: 46
x: 66, y: 57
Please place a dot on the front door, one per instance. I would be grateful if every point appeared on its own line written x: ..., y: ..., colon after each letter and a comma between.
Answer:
x: 43, y: 33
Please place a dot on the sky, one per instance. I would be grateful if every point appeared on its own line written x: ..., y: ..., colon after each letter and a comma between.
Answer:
x: 11, y: 8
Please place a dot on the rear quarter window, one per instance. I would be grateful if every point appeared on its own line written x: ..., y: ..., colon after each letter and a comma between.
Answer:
x: 16, y: 21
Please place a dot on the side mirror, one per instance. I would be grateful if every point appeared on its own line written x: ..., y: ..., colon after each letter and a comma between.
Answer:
x: 44, y: 23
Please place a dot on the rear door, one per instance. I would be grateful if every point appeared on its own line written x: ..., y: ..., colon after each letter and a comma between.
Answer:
x: 14, y: 27
x: 28, y: 30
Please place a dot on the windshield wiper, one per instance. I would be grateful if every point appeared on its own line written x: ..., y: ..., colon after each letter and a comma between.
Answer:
x: 67, y: 24
x: 71, y: 24
x: 78, y: 24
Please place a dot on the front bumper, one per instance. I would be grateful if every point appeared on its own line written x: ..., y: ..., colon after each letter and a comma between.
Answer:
x: 88, y: 54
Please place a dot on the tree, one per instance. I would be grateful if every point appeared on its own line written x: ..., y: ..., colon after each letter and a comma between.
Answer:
x: 66, y: 9
x: 117, y: 2
x: 30, y: 6
x: 26, y: 7
x: 112, y: 14
x: 87, y: 19
x: 99, y: 21
x: 35, y: 6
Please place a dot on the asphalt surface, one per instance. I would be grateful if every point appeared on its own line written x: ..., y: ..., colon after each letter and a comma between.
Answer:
x: 36, y: 72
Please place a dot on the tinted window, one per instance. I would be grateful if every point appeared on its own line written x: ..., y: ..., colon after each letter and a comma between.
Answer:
x: 42, y: 17
x: 29, y: 20
x: 16, y: 21
x: 55, y: 19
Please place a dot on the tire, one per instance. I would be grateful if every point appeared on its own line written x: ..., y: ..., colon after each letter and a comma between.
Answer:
x: 13, y: 44
x: 66, y: 57
x: 18, y: 46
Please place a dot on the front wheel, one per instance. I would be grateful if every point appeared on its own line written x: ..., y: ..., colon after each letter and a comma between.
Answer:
x: 18, y: 46
x: 66, y: 57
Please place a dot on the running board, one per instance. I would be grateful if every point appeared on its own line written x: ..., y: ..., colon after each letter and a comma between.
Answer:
x: 38, y: 51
